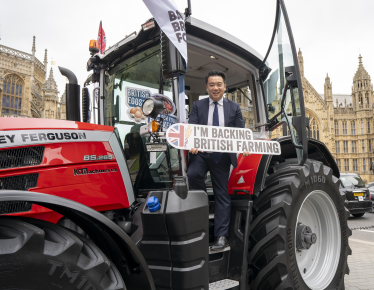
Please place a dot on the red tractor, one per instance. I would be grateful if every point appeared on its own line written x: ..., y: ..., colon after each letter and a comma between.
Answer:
x: 96, y: 206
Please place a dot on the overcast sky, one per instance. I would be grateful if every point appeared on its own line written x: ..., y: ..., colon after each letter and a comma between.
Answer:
x: 329, y: 33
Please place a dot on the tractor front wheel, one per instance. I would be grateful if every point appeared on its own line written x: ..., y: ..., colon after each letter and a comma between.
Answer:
x: 299, y: 235
x: 35, y: 254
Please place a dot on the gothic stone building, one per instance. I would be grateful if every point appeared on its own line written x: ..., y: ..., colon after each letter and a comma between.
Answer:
x: 344, y: 123
x: 25, y: 90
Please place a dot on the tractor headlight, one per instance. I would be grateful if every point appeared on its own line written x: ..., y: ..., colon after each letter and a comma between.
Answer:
x: 152, y: 107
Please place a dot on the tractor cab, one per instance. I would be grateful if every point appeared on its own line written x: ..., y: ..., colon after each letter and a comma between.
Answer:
x: 266, y: 88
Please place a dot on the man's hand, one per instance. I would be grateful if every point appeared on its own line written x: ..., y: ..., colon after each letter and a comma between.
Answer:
x: 246, y: 153
x: 194, y: 151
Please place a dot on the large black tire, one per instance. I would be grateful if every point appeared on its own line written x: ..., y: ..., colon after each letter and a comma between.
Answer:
x: 272, y: 254
x: 35, y: 254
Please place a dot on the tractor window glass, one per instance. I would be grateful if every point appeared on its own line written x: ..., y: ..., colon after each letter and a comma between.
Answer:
x: 243, y: 96
x: 280, y: 57
x: 138, y: 77
x: 146, y: 173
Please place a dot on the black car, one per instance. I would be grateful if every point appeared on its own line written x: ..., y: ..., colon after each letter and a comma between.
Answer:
x: 370, y: 186
x: 357, y: 200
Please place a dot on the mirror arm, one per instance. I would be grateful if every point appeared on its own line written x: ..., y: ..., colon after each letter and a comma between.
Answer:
x: 245, y: 95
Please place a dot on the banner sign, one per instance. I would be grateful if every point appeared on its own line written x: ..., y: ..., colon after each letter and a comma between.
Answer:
x: 168, y: 121
x: 219, y: 139
x: 171, y: 22
x: 135, y: 98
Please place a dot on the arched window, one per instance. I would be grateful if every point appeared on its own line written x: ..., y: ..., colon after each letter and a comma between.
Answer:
x: 12, y: 95
x: 315, y: 130
x: 360, y: 99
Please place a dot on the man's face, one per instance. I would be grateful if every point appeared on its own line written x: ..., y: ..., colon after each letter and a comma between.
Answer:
x: 215, y: 87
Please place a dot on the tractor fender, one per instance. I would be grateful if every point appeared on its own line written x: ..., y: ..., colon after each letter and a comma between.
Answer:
x: 111, y: 239
x: 316, y: 151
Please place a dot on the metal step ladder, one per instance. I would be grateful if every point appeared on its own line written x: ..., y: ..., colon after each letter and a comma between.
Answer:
x: 231, y: 262
x: 224, y: 284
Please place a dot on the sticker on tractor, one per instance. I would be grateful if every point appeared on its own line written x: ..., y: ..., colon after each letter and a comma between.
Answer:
x: 135, y: 98
x: 219, y: 139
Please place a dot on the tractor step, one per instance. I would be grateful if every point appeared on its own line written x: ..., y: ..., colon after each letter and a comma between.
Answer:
x: 224, y: 284
x: 219, y: 251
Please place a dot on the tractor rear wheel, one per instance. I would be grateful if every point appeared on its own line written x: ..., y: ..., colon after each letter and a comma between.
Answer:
x: 36, y: 254
x: 299, y: 234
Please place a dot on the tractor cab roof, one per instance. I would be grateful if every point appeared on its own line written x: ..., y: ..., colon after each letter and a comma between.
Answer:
x: 196, y: 28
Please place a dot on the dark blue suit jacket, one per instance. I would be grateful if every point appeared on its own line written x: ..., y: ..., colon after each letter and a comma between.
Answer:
x: 232, y: 113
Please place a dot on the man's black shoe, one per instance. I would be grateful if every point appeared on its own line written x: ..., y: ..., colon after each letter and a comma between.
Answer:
x: 219, y: 243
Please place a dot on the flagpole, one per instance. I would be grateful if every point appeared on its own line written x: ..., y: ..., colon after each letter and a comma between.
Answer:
x: 101, y: 37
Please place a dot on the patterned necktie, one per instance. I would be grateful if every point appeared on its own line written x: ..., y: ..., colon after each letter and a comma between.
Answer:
x: 216, y: 156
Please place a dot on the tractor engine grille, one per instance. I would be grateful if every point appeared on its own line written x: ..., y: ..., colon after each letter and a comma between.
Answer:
x: 27, y: 156
x: 19, y: 182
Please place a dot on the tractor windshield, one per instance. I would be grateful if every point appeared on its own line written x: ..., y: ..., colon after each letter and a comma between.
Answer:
x: 133, y: 80
x: 282, y: 85
x: 279, y: 57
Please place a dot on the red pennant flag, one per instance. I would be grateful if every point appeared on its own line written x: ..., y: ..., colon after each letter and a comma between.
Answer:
x: 101, y: 38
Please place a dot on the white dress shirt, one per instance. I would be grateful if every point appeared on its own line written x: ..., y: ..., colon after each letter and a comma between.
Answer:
x: 221, y: 115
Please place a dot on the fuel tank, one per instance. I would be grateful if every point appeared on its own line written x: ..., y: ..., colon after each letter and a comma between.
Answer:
x: 174, y: 239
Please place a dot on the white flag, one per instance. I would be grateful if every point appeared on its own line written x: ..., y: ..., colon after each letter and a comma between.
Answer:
x: 171, y: 22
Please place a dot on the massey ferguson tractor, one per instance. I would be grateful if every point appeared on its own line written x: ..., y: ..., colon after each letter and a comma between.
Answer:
x: 107, y: 206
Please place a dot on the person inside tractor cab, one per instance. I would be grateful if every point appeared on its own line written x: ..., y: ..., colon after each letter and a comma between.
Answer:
x: 215, y: 111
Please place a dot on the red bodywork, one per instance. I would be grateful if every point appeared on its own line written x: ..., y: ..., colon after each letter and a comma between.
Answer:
x: 62, y: 163
x: 58, y: 170
x: 247, y: 168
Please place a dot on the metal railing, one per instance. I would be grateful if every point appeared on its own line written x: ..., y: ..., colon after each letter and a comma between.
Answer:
x: 15, y: 52
x: 21, y: 54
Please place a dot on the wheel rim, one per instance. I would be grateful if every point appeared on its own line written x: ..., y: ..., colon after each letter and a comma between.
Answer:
x: 319, y: 263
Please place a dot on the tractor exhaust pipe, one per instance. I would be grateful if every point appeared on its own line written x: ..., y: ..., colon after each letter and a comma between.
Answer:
x: 72, y: 95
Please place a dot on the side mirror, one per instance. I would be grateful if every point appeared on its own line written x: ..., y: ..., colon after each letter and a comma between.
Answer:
x: 290, y: 73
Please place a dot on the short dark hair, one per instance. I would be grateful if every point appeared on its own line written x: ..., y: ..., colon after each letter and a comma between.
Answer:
x: 213, y: 73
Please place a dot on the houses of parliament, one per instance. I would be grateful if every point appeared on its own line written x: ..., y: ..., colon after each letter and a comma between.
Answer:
x: 25, y: 90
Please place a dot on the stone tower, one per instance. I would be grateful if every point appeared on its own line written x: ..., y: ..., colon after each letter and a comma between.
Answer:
x: 301, y: 62
x: 45, y: 60
x: 328, y: 89
x: 63, y: 106
x: 362, y: 89
x: 329, y: 129
x: 50, y: 93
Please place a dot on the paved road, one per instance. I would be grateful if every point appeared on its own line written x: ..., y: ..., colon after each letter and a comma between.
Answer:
x: 362, y: 260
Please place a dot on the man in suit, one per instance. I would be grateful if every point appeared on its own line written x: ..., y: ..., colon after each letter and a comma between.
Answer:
x: 215, y: 111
